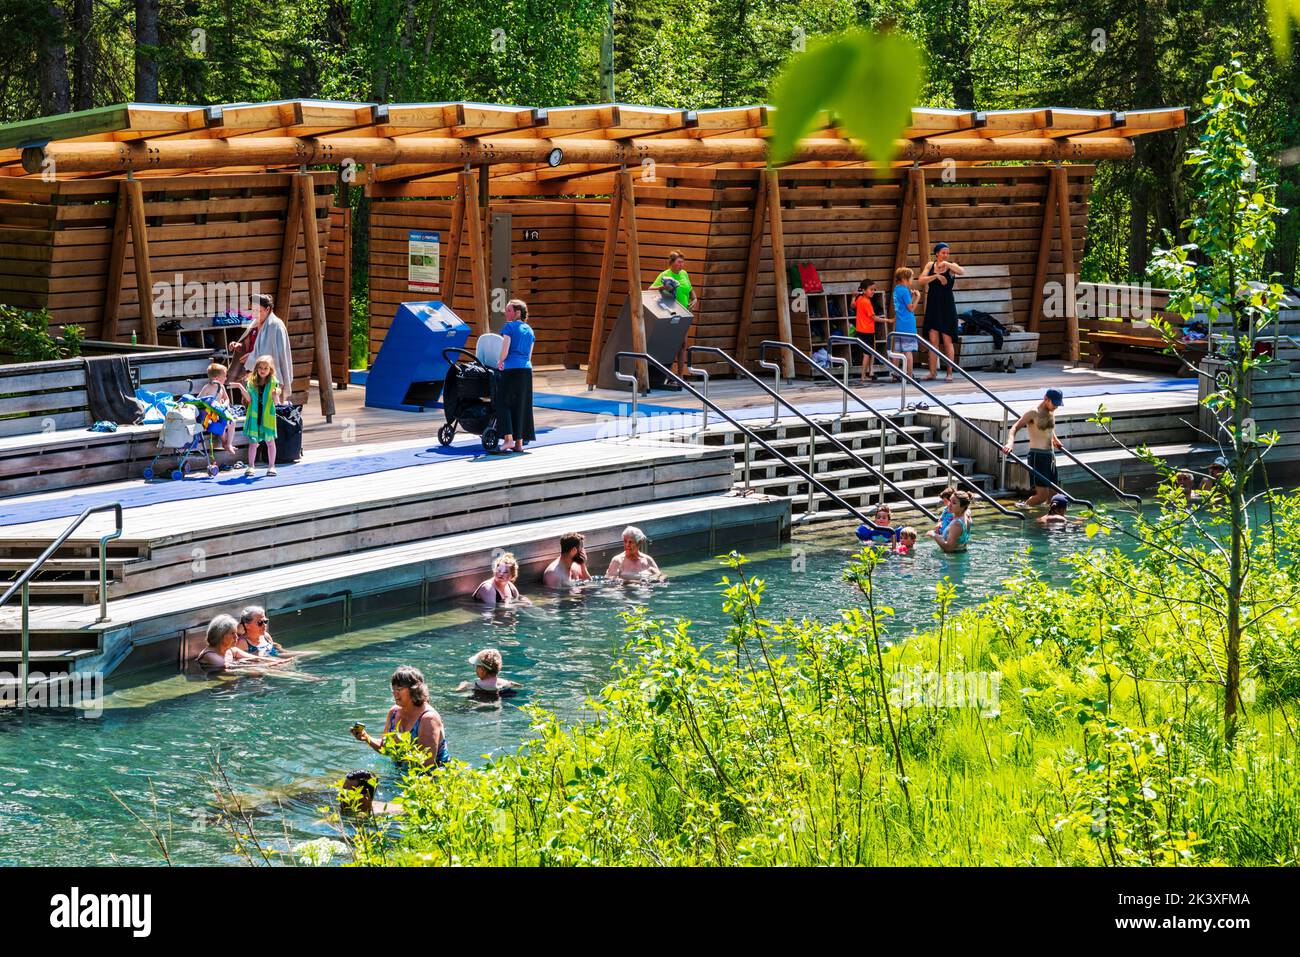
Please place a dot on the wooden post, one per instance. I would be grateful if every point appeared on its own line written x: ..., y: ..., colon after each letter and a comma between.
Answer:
x: 922, y: 222
x: 904, y: 227
x: 1044, y: 250
x: 477, y: 255
x: 316, y: 288
x: 289, y: 251
x: 752, y: 262
x: 1067, y: 264
x: 634, y: 277
x: 116, y: 263
x: 143, y: 272
x: 783, y: 327
x: 457, y: 240
x: 605, y: 282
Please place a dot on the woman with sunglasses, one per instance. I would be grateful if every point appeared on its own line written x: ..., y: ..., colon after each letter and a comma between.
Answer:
x: 254, y: 635
x: 500, y: 589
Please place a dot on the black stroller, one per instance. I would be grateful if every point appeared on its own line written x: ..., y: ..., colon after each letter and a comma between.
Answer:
x: 469, y: 398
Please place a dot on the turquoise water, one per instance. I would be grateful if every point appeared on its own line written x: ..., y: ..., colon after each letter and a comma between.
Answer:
x: 280, y: 740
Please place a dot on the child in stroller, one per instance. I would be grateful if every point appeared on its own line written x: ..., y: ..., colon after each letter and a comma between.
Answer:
x: 470, y: 396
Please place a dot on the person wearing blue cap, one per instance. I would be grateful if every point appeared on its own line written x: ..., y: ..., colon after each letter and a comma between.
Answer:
x: 1041, y: 423
x: 1056, y: 517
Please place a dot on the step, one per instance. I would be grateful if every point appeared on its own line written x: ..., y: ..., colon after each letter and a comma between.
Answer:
x: 276, y: 525
x: 838, y: 465
x: 453, y: 563
x: 843, y: 480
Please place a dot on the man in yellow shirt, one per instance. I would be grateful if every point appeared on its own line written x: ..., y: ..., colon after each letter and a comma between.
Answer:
x: 685, y: 293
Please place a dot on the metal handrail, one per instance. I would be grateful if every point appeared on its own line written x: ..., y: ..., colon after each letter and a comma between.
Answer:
x: 21, y: 584
x: 750, y: 434
x: 776, y: 397
x: 961, y: 418
x: 898, y: 429
x: 1064, y: 451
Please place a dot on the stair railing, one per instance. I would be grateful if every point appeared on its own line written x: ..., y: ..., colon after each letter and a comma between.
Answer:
x: 21, y: 585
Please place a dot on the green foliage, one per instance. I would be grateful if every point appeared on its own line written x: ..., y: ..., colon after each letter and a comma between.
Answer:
x: 1092, y: 739
x: 359, y: 343
x: 24, y: 336
x: 868, y: 81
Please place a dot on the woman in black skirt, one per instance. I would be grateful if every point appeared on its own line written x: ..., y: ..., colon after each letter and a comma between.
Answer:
x: 940, y: 310
x: 515, y: 415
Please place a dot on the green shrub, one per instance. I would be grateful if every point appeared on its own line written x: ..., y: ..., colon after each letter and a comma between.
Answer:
x: 24, y: 334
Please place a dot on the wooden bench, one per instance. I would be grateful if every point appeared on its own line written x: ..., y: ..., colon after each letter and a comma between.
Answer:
x: 45, y: 442
x: 1110, y: 349
x: 988, y: 289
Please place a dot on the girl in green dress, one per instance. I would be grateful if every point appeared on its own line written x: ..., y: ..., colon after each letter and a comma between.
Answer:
x: 259, y: 422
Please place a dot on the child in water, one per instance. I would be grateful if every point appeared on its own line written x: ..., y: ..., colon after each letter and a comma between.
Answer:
x: 906, y: 541
x: 487, y: 670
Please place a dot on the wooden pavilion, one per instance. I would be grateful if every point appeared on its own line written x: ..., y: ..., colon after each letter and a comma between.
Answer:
x: 564, y: 207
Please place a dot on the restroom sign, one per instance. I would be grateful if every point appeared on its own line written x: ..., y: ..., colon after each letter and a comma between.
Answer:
x: 532, y: 235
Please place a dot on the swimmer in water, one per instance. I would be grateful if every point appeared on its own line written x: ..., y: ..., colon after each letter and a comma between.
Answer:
x: 358, y: 796
x: 487, y: 671
x: 906, y: 541
x: 571, y: 567
x: 957, y: 535
x: 1056, y: 517
x: 500, y: 589
x: 634, y: 564
x: 885, y: 534
x: 221, y: 656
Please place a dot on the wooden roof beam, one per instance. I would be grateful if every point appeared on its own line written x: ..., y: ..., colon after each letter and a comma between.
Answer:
x: 271, y: 150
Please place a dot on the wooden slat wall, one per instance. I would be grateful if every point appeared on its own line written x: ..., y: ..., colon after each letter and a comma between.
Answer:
x: 338, y: 293
x: 842, y: 220
x: 27, y: 215
x: 220, y: 228
x: 542, y: 270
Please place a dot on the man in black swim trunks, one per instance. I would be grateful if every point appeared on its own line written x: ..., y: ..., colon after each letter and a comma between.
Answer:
x: 1041, y: 422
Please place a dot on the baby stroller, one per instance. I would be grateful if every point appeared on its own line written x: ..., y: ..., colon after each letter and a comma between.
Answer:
x: 190, y: 428
x: 469, y: 399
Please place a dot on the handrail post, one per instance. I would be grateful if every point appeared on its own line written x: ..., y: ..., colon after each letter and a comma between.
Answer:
x: 812, y: 469
x: 844, y: 396
x: 704, y: 406
x: 1002, y: 459
x: 776, y: 387
x: 747, y: 460
x: 883, y: 453
x: 26, y: 648
x: 103, y: 580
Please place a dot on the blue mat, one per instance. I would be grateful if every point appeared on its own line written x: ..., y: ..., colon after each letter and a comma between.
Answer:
x: 655, y: 418
x: 582, y: 403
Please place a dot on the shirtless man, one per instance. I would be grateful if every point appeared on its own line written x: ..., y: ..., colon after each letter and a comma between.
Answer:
x: 1041, y: 421
x: 633, y: 564
x: 571, y: 567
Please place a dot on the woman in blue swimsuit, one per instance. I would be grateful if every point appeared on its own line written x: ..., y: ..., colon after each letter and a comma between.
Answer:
x: 411, y: 715
x: 956, y: 536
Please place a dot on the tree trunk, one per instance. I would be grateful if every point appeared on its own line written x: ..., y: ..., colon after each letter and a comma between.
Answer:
x: 146, y: 51
x: 83, y: 66
x: 52, y: 62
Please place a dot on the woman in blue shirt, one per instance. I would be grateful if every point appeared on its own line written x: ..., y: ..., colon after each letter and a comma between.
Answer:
x: 515, y: 412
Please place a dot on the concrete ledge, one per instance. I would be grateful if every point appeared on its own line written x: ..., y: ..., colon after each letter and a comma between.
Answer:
x: 168, y: 628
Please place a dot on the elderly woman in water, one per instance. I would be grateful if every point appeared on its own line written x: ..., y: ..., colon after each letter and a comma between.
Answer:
x: 221, y: 654
x: 633, y: 564
x: 411, y: 715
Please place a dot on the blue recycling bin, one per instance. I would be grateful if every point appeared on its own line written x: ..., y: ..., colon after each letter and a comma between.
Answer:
x: 409, y: 371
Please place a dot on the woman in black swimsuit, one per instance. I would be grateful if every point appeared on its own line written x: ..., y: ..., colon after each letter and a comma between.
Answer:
x: 940, y: 310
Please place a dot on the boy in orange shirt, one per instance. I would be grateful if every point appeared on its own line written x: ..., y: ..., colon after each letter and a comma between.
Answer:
x: 864, y: 324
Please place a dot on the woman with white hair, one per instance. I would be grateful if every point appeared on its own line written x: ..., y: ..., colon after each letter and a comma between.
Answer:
x: 634, y: 564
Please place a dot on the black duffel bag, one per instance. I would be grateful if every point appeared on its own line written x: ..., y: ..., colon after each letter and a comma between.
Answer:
x: 288, y: 435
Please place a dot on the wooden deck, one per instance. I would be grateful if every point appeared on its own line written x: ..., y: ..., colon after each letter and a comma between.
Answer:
x: 354, y: 423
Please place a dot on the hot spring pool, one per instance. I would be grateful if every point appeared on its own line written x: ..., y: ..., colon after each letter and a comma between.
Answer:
x: 154, y: 744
